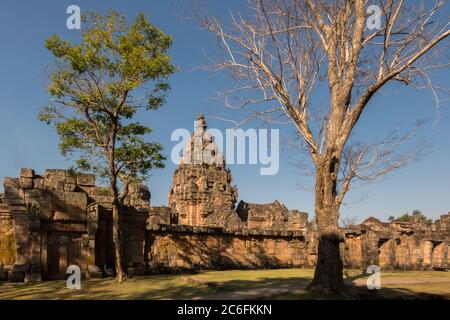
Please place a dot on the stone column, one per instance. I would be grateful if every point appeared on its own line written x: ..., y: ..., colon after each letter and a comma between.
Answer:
x: 439, y: 256
x: 15, y: 201
x: 427, y: 253
x: 35, y: 257
x: 370, y: 249
x: 88, y: 242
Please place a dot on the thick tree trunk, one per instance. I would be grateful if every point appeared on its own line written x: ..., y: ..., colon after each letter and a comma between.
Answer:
x: 120, y: 274
x: 328, y: 275
x: 328, y: 272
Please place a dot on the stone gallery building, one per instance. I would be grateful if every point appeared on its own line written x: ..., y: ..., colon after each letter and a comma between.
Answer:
x: 57, y: 219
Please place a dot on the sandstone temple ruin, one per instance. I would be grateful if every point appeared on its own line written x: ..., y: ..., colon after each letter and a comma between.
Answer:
x: 52, y: 220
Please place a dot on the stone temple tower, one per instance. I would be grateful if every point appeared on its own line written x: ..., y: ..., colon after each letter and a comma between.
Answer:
x: 201, y: 193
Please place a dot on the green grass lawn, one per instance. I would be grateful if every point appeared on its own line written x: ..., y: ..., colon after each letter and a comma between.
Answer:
x: 223, y: 284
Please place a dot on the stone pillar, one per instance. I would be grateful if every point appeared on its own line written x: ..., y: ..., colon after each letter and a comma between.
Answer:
x: 88, y: 242
x: 370, y: 249
x: 448, y: 256
x: 15, y: 201
x: 44, y: 255
x: 427, y: 253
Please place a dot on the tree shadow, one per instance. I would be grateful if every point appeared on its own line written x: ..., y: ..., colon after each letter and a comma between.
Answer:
x: 139, y: 288
x: 167, y: 287
x: 349, y: 279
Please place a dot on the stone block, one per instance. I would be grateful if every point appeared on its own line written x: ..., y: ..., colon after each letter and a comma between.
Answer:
x: 56, y: 174
x: 3, y: 275
x: 11, y: 187
x: 16, y: 276
x: 46, y: 210
x: 49, y: 184
x: 69, y: 186
x: 85, y: 179
x: 15, y: 202
x: 32, y: 194
x: 59, y: 185
x: 26, y: 173
x: 77, y: 197
x: 94, y: 272
x: 69, y: 206
x: 101, y: 191
x: 26, y: 183
x: 71, y: 178
x: 39, y: 183
x: 107, y: 201
x: 32, y: 278
x: 85, y: 189
x: 74, y: 214
x: 57, y: 195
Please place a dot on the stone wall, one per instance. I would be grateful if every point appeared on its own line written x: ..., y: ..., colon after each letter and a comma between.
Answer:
x: 50, y: 221
x: 271, y: 216
x: 177, y: 248
x: 398, y: 245
x: 7, y: 236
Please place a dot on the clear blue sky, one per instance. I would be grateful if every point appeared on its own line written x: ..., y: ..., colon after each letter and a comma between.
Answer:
x: 25, y: 142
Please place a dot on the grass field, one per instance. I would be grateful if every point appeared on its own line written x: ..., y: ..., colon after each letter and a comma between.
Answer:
x: 237, y: 284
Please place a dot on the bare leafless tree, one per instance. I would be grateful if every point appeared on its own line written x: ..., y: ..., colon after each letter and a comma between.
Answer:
x: 280, y: 53
x: 349, y: 222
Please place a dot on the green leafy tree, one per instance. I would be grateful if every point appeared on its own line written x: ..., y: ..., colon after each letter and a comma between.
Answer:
x: 424, y: 219
x: 99, y: 87
x: 416, y: 213
x: 404, y: 218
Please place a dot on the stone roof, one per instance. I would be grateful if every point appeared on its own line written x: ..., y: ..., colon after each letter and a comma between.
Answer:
x: 224, y: 217
x: 372, y: 220
x: 271, y: 216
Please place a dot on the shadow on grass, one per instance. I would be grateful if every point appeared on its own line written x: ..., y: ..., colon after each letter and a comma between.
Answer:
x: 139, y: 288
x: 361, y: 293
x: 178, y: 287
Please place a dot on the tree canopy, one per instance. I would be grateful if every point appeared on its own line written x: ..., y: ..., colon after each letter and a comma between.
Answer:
x: 99, y: 86
x: 95, y: 98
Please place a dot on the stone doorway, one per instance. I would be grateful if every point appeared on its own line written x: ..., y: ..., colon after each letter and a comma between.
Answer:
x: 386, y: 252
x: 104, y: 245
x: 63, y: 250
x: 439, y: 256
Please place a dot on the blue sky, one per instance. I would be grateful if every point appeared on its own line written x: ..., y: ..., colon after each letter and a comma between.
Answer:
x: 25, y: 142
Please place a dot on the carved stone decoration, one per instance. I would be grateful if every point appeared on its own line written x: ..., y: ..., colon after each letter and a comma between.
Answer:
x: 92, y: 218
x: 34, y: 209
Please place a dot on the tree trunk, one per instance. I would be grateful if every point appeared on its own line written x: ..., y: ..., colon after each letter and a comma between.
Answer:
x: 120, y: 274
x: 328, y: 275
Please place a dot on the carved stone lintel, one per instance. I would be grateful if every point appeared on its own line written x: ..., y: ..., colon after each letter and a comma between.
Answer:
x: 92, y: 212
